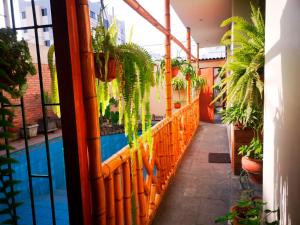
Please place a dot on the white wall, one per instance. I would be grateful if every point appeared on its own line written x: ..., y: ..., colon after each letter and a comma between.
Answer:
x: 282, y: 109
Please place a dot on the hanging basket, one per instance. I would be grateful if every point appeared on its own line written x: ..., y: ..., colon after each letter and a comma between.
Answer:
x: 100, y: 67
x: 188, y: 77
x: 177, y: 105
x: 175, y: 71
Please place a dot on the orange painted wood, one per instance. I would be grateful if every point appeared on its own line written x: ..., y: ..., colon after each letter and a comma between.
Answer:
x: 188, y: 41
x: 141, y: 194
x: 127, y: 193
x: 168, y: 66
x: 110, y: 200
x: 206, y: 96
x: 147, y: 16
x: 125, y: 180
x: 134, y: 190
x: 118, y: 197
x: 91, y: 114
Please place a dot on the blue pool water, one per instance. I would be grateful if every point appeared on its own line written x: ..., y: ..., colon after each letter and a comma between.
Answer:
x: 110, y: 144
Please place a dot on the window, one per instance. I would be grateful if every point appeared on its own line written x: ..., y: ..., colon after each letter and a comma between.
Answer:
x: 47, y: 43
x: 92, y: 15
x: 45, y: 29
x: 106, y: 23
x: 23, y: 15
x: 25, y: 31
x: 44, y: 12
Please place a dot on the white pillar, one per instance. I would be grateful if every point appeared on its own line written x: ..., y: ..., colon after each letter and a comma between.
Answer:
x: 281, y: 185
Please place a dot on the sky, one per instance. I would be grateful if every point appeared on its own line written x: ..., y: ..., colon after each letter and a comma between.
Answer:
x: 144, y: 33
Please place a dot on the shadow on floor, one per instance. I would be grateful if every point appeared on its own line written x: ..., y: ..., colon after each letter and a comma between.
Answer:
x: 200, y: 191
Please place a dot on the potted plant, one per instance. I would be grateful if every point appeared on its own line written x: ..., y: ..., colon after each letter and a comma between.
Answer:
x: 13, y: 130
x: 252, y: 160
x: 31, y: 130
x: 177, y: 104
x: 178, y: 85
x: 176, y: 64
x: 16, y: 64
x: 249, y: 211
x: 241, y: 77
x: 188, y: 71
x: 198, y: 83
x: 106, y: 50
x: 134, y: 78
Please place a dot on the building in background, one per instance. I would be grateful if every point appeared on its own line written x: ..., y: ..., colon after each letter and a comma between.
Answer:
x: 43, y: 16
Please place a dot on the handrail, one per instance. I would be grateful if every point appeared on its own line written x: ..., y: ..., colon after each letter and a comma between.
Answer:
x: 148, y: 177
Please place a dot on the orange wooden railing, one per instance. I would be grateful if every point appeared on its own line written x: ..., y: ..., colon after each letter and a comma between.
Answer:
x: 143, y: 180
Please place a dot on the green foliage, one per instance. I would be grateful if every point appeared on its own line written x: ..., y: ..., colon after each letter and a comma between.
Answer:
x: 249, y: 212
x: 254, y: 150
x: 198, y: 83
x: 241, y: 115
x: 108, y: 115
x: 105, y: 42
x: 188, y: 71
x: 15, y: 65
x: 161, y: 69
x: 178, y: 84
x: 245, y: 67
x: 54, y: 82
x: 135, y: 82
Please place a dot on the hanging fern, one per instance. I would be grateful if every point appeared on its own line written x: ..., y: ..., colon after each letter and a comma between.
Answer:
x: 15, y: 65
x: 245, y: 67
x: 54, y: 82
x: 135, y: 82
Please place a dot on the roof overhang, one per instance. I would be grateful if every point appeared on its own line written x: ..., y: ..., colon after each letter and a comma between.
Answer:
x: 204, y: 18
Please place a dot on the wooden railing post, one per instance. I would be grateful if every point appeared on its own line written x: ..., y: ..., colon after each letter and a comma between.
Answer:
x: 91, y: 114
x: 168, y: 60
x: 188, y: 39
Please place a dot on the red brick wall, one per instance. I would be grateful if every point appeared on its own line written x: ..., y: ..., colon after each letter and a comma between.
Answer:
x: 32, y: 98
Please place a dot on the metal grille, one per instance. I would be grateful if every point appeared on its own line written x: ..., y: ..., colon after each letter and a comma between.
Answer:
x: 36, y: 29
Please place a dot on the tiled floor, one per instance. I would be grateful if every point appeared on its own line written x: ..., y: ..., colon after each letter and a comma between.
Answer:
x: 200, y: 191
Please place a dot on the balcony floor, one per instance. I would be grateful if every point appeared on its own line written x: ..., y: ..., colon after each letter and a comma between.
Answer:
x: 200, y: 191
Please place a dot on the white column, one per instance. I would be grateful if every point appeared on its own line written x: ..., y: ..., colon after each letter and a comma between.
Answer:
x: 281, y: 186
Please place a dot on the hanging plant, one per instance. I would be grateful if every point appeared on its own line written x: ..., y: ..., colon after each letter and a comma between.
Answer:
x: 106, y: 56
x: 54, y: 82
x: 15, y: 65
x: 134, y: 77
x: 198, y: 83
x: 178, y: 84
x: 134, y: 83
x: 188, y: 71
x: 176, y: 64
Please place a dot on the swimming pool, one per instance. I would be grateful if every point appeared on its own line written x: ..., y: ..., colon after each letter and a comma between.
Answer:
x: 110, y: 144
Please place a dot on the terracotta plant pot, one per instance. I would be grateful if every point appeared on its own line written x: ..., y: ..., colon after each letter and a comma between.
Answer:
x: 177, y: 105
x: 236, y: 219
x: 112, y: 67
x: 175, y: 71
x: 188, y: 77
x: 254, y: 168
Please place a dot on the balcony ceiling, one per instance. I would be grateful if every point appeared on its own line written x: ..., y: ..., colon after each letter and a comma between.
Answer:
x: 204, y: 18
